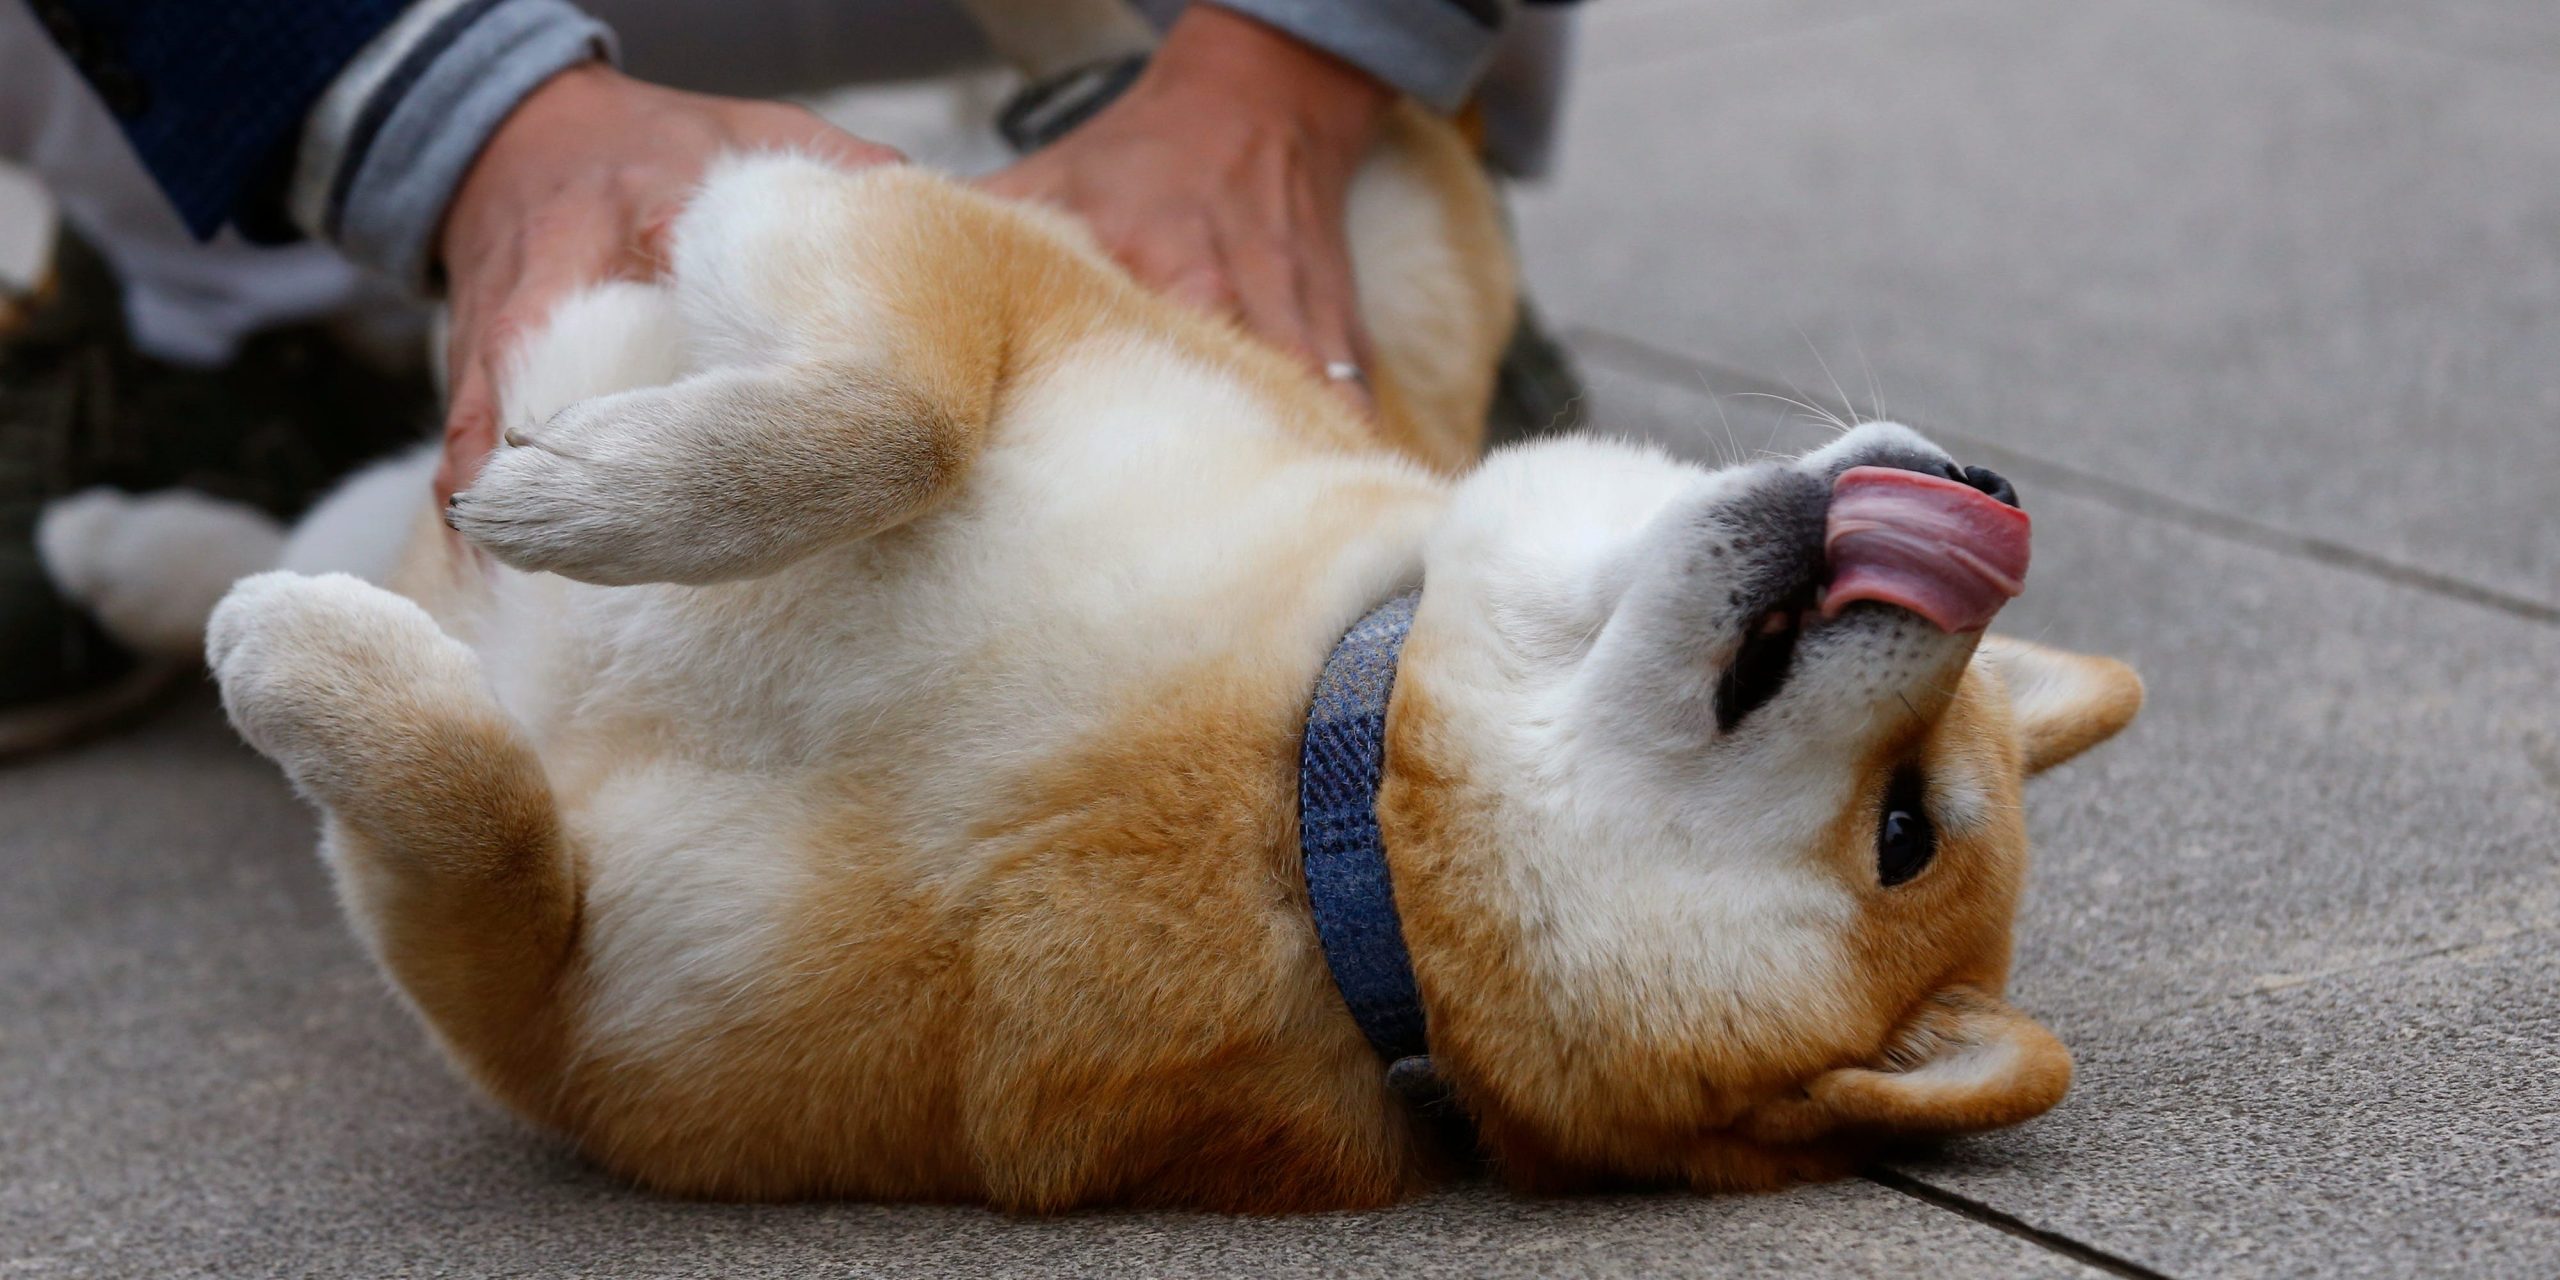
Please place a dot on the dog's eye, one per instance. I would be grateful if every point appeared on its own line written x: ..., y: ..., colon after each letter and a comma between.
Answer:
x: 1905, y: 839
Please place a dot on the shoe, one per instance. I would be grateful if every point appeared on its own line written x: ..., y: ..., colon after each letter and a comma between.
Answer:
x: 80, y: 406
x: 1536, y: 389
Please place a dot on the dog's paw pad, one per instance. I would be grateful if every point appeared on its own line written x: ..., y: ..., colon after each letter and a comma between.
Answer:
x: 308, y: 665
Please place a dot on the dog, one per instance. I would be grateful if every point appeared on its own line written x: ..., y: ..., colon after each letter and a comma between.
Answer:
x: 908, y: 714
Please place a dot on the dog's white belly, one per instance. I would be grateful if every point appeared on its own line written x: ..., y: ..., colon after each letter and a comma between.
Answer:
x: 1134, y: 518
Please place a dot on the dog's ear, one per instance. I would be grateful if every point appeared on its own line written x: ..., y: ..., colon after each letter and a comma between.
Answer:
x: 1964, y: 1061
x: 2064, y: 703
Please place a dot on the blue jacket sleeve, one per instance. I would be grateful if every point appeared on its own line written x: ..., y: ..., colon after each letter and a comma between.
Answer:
x: 212, y: 93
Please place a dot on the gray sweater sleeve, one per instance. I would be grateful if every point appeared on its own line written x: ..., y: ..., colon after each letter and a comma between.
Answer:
x: 1432, y: 49
x: 386, y: 146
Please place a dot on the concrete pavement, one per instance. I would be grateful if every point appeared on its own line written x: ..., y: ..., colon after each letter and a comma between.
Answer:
x: 2256, y: 300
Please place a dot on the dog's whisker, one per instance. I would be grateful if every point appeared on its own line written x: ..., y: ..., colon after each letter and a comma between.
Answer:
x: 1875, y: 392
x: 1731, y: 443
x: 1847, y: 405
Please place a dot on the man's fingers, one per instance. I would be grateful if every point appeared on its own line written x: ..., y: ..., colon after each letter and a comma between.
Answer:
x: 837, y: 146
x: 1361, y: 355
x: 1330, y: 305
x: 1299, y: 297
x: 1184, y: 266
x: 491, y: 321
x: 826, y: 141
x: 1024, y: 179
x: 470, y: 431
x: 1269, y: 299
x: 602, y: 242
x: 652, y: 249
x: 1042, y: 176
x: 1204, y: 288
x: 581, y: 184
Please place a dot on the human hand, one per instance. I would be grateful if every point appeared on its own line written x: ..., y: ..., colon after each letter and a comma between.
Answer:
x: 1221, y: 178
x: 579, y: 185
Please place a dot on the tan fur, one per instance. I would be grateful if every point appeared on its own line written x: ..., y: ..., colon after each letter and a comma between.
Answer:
x: 1122, y: 1000
x: 448, y: 840
x: 1765, y: 1097
x: 2069, y: 702
x: 1020, y: 1039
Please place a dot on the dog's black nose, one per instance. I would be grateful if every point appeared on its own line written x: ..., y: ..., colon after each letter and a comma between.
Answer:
x: 1933, y: 463
x: 1992, y: 483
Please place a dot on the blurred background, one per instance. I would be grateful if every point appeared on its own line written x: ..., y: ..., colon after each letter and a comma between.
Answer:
x: 2257, y: 301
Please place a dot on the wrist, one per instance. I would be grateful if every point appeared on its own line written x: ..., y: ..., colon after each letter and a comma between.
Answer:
x: 1255, y: 68
x: 571, y: 90
x: 384, y: 154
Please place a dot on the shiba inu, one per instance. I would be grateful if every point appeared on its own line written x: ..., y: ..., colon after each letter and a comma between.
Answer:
x: 908, y: 714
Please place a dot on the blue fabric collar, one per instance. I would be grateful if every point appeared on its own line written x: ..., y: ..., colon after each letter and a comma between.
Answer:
x: 1348, y: 888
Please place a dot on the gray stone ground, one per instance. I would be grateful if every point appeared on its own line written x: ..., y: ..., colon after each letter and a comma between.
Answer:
x: 2258, y: 301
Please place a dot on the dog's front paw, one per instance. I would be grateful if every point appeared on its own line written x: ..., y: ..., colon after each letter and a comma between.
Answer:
x: 601, y: 492
x: 317, y: 671
x: 725, y: 475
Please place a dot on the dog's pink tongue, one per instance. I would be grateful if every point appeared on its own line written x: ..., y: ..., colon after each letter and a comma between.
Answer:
x: 1943, y: 550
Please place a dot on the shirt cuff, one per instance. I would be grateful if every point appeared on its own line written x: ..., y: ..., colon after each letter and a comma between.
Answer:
x: 1431, y: 49
x: 389, y: 141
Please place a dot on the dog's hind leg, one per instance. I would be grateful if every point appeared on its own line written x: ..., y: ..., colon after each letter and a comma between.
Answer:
x: 440, y: 826
x: 150, y: 566
x: 849, y: 329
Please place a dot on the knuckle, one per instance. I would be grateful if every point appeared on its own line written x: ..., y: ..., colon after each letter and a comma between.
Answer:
x: 504, y: 330
x: 552, y: 220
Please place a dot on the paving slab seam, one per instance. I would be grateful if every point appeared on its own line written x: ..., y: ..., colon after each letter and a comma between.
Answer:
x: 2282, y: 983
x: 2354, y: 32
x: 1967, y: 1207
x: 1638, y: 358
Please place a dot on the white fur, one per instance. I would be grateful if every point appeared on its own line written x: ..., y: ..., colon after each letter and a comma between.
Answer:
x: 1966, y: 1067
x: 151, y: 567
x: 682, y: 928
x: 1664, y: 868
x: 980, y: 641
x: 362, y: 526
x: 318, y: 672
x: 289, y: 648
x: 1661, y: 869
x: 609, y: 338
x: 2042, y: 689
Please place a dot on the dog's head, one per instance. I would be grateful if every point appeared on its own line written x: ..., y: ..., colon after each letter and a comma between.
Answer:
x: 1703, y: 800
